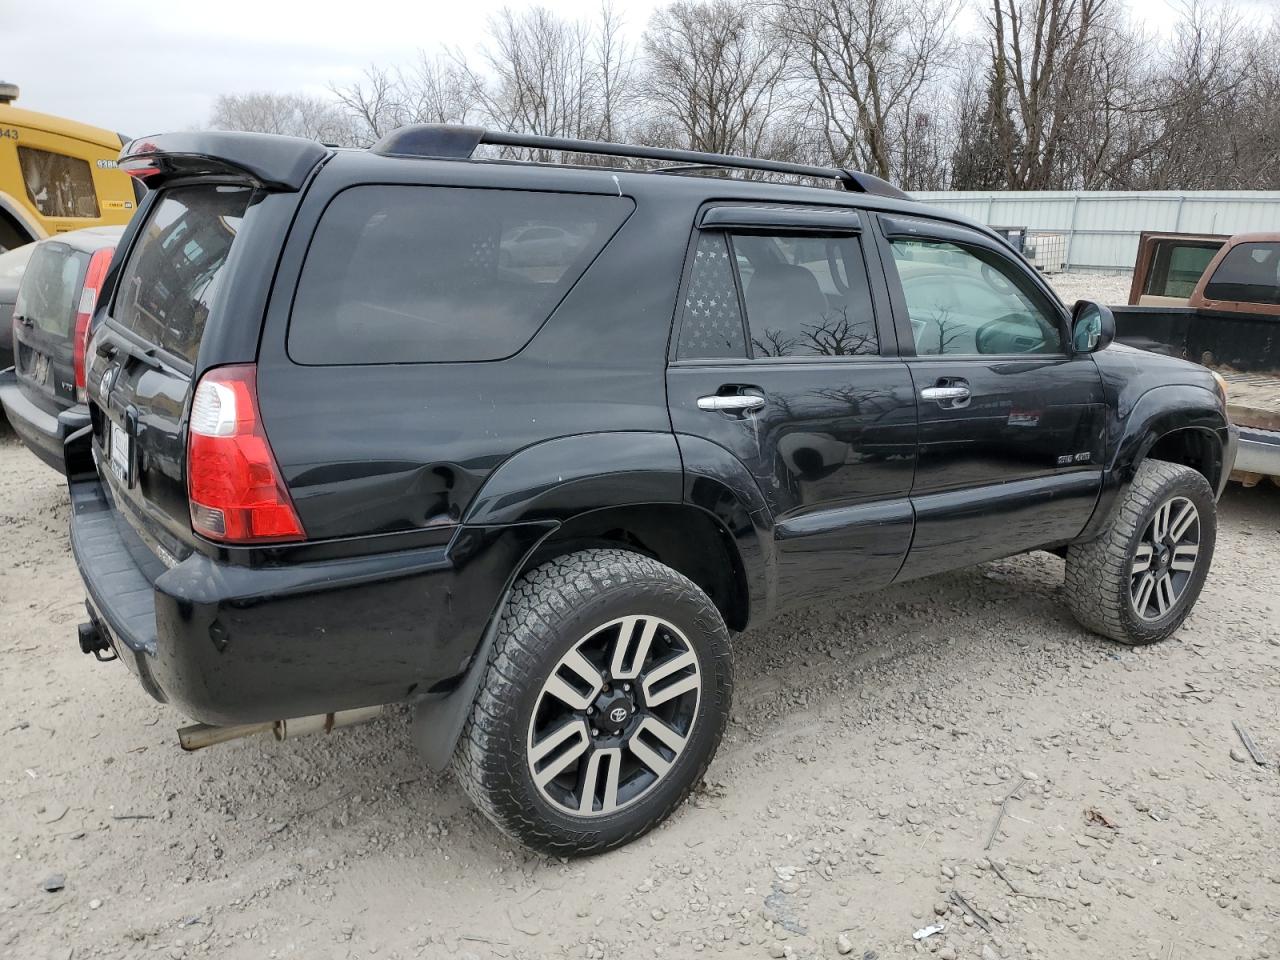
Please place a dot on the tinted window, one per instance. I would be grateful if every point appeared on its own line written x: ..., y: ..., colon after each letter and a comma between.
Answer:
x: 805, y: 296
x: 58, y: 185
x: 402, y: 274
x: 711, y: 324
x: 170, y: 282
x: 1249, y: 272
x: 970, y: 302
x: 1176, y: 267
x: 50, y: 289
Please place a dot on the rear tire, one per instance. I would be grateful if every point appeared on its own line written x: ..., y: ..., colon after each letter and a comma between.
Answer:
x: 603, y: 702
x: 1137, y: 582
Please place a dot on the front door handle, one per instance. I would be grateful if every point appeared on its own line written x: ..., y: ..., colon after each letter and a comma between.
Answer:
x: 732, y: 403
x: 945, y: 393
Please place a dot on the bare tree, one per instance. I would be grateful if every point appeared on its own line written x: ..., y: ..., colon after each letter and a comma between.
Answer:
x: 373, y: 104
x: 437, y: 89
x: 616, y: 65
x: 1043, y: 57
x: 1046, y: 94
x: 1208, y: 120
x: 875, y: 67
x: 291, y: 114
x: 715, y: 78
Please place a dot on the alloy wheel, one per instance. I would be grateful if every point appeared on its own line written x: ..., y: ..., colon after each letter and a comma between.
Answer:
x: 614, y: 716
x: 1165, y: 558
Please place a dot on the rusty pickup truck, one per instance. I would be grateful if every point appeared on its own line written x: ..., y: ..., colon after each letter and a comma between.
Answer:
x: 1216, y: 300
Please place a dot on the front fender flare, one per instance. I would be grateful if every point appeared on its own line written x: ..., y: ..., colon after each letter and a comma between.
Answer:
x: 1137, y: 428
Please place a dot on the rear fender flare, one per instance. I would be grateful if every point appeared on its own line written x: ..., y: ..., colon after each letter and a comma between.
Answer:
x: 552, y: 482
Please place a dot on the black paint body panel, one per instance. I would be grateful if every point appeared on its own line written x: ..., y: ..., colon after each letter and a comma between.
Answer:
x: 425, y: 487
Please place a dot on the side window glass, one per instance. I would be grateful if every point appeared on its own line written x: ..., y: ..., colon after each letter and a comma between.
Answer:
x: 58, y: 185
x: 966, y: 301
x: 418, y: 274
x: 711, y: 322
x: 806, y: 296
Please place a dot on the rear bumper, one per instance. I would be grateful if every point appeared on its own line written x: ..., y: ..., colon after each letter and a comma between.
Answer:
x: 228, y: 643
x: 1259, y: 452
x: 41, y: 432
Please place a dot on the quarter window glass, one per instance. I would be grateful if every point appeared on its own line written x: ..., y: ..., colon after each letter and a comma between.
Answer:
x: 968, y: 302
x: 170, y: 282
x: 806, y: 296
x: 404, y: 274
x: 50, y: 288
x: 58, y: 185
x: 711, y: 324
x: 1249, y: 272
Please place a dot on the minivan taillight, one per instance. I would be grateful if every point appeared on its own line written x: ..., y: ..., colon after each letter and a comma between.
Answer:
x: 93, y: 278
x: 234, y: 487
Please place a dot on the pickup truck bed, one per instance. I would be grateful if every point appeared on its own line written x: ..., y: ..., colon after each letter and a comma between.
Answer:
x: 1253, y: 403
x: 1244, y: 349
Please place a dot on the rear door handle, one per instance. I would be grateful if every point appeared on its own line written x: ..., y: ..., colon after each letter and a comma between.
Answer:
x: 945, y: 393
x: 732, y: 403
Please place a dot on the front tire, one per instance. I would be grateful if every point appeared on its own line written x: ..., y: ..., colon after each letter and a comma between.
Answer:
x: 1138, y: 581
x: 603, y: 702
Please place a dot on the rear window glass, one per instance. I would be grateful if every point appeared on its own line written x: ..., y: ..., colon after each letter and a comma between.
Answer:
x: 405, y: 274
x: 1249, y: 272
x: 58, y: 185
x: 1176, y: 268
x: 170, y: 282
x: 50, y: 289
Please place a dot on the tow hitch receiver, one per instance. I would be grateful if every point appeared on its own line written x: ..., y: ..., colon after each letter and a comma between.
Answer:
x: 93, y: 641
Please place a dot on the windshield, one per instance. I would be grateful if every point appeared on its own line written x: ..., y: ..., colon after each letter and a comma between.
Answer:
x: 50, y: 288
x: 169, y: 284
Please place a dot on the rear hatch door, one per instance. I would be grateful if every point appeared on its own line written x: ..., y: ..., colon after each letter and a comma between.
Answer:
x: 143, y: 357
x: 44, y: 323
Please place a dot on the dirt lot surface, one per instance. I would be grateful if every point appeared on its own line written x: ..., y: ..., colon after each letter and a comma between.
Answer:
x: 1109, y: 288
x: 872, y: 743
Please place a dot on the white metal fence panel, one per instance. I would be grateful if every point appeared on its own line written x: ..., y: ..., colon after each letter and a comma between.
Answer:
x: 1102, y: 227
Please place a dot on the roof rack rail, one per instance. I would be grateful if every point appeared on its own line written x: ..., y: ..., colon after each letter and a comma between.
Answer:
x: 450, y: 141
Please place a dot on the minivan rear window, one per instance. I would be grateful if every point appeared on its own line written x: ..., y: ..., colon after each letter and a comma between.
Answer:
x: 50, y: 288
x: 410, y: 274
x: 170, y: 281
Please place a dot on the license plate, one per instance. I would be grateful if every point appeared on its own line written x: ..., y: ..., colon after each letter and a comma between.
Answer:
x: 120, y: 453
x: 40, y: 369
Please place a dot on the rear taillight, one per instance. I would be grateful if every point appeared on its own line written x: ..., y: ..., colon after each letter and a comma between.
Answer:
x: 93, y: 278
x: 234, y: 487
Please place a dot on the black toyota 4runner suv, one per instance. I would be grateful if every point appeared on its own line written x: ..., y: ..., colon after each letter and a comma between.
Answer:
x: 523, y: 444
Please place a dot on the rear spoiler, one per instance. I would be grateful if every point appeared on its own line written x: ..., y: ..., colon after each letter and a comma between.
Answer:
x: 270, y: 161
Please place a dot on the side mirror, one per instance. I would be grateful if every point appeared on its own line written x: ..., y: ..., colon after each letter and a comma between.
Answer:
x: 1093, y: 327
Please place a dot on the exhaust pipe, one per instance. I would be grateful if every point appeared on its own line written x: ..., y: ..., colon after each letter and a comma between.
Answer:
x: 201, y: 735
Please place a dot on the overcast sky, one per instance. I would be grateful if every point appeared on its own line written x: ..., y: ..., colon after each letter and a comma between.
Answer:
x: 141, y: 67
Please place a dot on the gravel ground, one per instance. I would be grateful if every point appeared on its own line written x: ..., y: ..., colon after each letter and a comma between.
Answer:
x: 1108, y: 288
x: 872, y: 742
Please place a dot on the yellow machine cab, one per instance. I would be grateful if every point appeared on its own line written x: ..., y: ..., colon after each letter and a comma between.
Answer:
x: 57, y: 175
